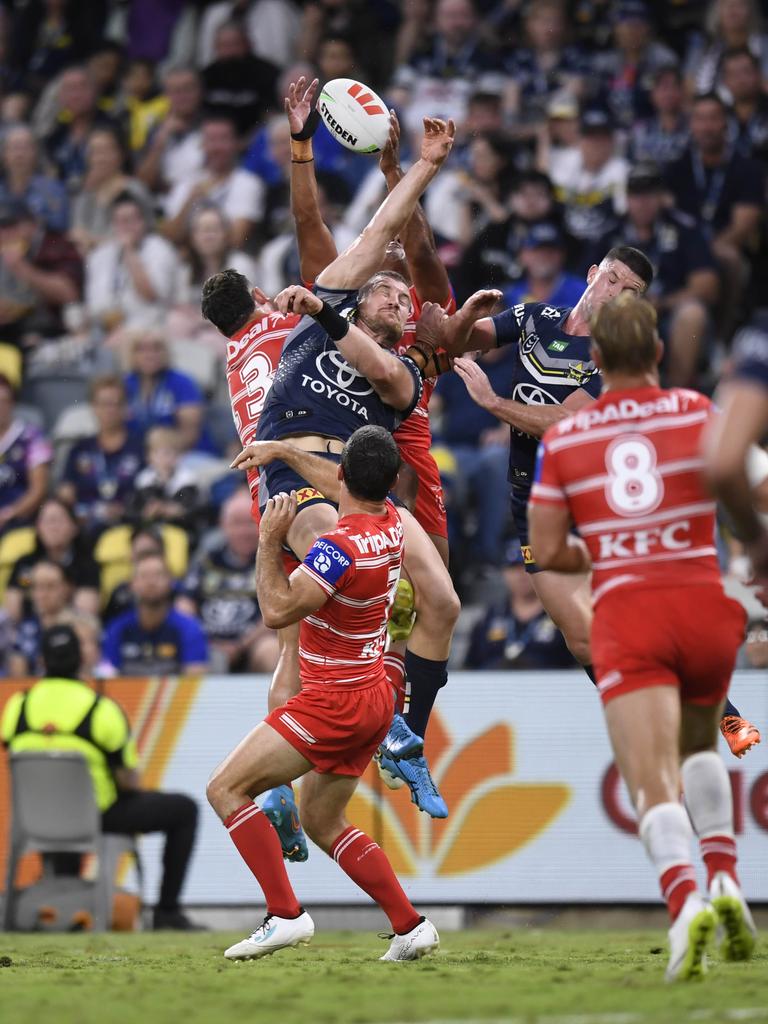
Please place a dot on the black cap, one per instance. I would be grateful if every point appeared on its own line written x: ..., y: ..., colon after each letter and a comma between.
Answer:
x: 596, y: 120
x: 543, y: 234
x: 12, y: 211
x: 60, y: 649
x: 645, y: 178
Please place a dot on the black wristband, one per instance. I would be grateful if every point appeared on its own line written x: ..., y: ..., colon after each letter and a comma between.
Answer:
x: 331, y: 322
x: 310, y: 126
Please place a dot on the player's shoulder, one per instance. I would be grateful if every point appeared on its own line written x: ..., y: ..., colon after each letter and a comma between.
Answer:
x: 688, y: 400
x: 270, y: 330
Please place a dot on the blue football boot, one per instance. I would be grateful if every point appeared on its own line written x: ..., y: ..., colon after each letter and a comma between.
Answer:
x: 280, y: 807
x: 401, y: 740
x: 415, y: 773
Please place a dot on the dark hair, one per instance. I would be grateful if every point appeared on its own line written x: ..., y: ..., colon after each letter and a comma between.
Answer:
x: 125, y: 198
x: 65, y: 570
x: 118, y: 140
x: 227, y: 301
x: 637, y: 261
x: 740, y: 51
x: 60, y: 650
x: 369, y: 463
x: 148, y: 530
x: 711, y: 97
x: 193, y: 258
x: 54, y: 499
x: 111, y: 381
x: 372, y: 282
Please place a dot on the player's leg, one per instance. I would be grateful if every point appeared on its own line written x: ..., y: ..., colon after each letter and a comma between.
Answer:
x: 324, y: 802
x: 264, y: 759
x: 567, y: 599
x: 709, y: 800
x: 644, y: 726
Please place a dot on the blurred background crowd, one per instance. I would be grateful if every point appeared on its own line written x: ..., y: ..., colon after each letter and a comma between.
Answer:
x: 143, y: 147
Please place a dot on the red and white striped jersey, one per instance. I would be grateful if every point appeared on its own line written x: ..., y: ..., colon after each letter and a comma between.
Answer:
x: 358, y: 566
x: 629, y: 469
x: 252, y: 357
x: 415, y: 432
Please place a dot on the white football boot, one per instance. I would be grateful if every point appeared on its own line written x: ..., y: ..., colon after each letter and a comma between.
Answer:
x: 689, y: 938
x: 272, y: 934
x: 415, y: 944
x: 737, y: 932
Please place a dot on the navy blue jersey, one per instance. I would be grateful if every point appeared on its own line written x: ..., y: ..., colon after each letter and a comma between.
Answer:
x: 750, y: 352
x: 550, y: 365
x: 316, y: 391
x: 177, y: 642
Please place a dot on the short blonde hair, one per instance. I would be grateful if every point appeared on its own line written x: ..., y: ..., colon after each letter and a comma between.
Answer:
x: 168, y: 437
x: 624, y: 333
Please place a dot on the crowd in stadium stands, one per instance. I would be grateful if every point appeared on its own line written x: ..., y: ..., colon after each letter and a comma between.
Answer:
x: 143, y: 147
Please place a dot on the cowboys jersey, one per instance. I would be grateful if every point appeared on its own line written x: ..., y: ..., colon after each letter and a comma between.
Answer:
x: 316, y: 391
x: 550, y: 364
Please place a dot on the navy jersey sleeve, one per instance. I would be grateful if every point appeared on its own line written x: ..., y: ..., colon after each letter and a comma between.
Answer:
x: 508, y: 325
x: 339, y: 298
x: 594, y: 385
x: 418, y: 384
x: 750, y: 349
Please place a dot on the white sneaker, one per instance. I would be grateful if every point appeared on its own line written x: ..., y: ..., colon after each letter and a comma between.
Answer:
x: 737, y: 932
x: 272, y: 934
x: 415, y: 944
x: 689, y: 938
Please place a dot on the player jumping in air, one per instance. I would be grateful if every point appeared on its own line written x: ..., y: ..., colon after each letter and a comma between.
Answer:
x: 340, y: 594
x: 627, y: 471
x: 554, y: 377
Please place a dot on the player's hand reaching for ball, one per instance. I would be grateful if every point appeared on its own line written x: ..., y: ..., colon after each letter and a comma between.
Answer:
x: 429, y: 325
x: 277, y: 517
x: 437, y: 141
x: 478, y: 385
x: 389, y: 161
x: 298, y: 103
x: 259, y: 453
x: 296, y: 299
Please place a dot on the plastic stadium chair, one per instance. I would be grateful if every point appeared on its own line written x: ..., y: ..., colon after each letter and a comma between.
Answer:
x: 10, y: 363
x: 199, y: 361
x: 113, y: 553
x: 14, y: 545
x: 54, y: 811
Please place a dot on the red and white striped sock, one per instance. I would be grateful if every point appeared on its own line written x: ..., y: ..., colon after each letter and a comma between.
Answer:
x: 666, y: 834
x: 394, y: 666
x: 719, y: 854
x: 369, y: 868
x: 258, y: 844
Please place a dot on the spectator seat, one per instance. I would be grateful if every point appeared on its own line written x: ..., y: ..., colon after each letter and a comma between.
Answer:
x: 113, y: 554
x: 14, y: 545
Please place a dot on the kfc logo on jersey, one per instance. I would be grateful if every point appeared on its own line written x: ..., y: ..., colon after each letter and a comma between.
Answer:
x: 639, y: 543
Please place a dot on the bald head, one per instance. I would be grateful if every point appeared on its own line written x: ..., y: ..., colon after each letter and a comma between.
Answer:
x: 237, y: 525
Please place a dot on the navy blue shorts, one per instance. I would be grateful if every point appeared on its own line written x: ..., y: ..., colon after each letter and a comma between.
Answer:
x: 518, y: 497
x: 279, y: 477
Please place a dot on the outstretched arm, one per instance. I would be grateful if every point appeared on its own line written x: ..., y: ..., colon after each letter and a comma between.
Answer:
x: 427, y: 272
x: 316, y: 245
x: 320, y: 473
x: 283, y: 600
x: 552, y: 542
x: 366, y: 254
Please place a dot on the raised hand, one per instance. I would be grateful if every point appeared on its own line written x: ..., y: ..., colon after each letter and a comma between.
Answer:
x: 259, y: 453
x: 296, y: 299
x: 481, y: 304
x: 298, y: 102
x: 430, y: 323
x: 389, y: 160
x: 437, y: 141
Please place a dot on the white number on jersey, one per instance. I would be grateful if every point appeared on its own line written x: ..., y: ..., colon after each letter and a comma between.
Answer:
x: 634, y: 485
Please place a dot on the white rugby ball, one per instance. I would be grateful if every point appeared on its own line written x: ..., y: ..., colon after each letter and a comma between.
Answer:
x: 354, y: 115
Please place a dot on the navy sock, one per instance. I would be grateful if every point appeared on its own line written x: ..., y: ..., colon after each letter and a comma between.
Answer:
x: 426, y: 677
x: 589, y: 669
x: 729, y: 709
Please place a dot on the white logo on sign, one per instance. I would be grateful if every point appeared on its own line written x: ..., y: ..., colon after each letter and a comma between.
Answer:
x: 323, y: 563
x: 337, y: 371
x: 529, y: 394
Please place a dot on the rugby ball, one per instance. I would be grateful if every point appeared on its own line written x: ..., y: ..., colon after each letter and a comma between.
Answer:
x: 354, y: 115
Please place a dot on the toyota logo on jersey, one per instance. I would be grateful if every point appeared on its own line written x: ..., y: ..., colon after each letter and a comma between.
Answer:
x: 336, y: 370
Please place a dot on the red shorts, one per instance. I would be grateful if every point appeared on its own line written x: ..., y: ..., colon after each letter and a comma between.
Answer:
x: 686, y: 637
x: 430, y: 508
x: 337, y: 729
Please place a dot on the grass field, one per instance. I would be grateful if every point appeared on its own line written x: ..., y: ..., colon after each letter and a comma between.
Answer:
x: 526, y: 976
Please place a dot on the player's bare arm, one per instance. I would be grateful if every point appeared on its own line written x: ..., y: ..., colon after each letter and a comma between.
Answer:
x: 317, y: 248
x: 551, y: 538
x: 533, y: 419
x: 283, y: 600
x: 319, y: 473
x: 390, y: 379
x: 471, y: 329
x: 366, y: 254
x: 425, y: 268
